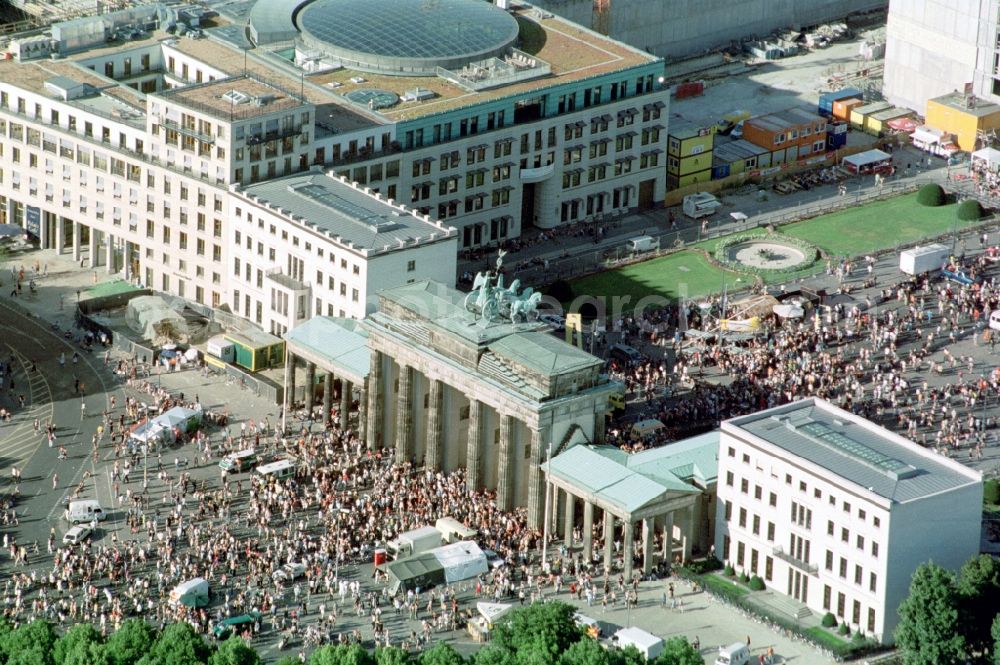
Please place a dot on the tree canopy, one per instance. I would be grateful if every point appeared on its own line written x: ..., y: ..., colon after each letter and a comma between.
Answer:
x: 929, y: 630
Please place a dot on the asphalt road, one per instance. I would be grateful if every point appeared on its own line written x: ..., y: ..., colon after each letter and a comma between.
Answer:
x: 34, y: 348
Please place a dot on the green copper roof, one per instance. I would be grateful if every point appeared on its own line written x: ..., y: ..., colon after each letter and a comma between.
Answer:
x: 543, y: 352
x: 341, y: 344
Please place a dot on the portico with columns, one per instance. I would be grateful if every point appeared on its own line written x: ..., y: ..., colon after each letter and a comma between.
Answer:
x: 337, y: 348
x: 655, y: 502
x: 449, y: 389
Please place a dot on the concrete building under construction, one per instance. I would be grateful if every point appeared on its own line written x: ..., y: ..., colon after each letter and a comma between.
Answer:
x: 678, y: 28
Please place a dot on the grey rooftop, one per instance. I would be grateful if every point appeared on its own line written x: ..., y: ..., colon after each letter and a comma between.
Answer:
x: 855, y: 450
x: 358, y: 220
x: 336, y: 344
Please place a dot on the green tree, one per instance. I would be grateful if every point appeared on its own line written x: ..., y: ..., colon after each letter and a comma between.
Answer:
x: 678, y: 651
x: 441, y: 653
x: 392, y: 656
x: 929, y: 629
x: 130, y: 642
x: 585, y: 652
x: 494, y: 654
x: 31, y: 643
x: 288, y: 660
x: 932, y: 195
x: 234, y: 651
x: 341, y: 655
x: 81, y: 633
x: 995, y: 632
x: 537, y: 634
x: 88, y: 653
x: 627, y: 656
x: 178, y: 644
x: 978, y: 589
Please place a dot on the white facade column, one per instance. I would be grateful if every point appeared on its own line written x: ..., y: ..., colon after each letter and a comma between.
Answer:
x: 110, y: 264
x: 609, y: 539
x: 628, y: 549
x: 668, y: 537
x: 687, y: 534
x: 92, y: 245
x: 77, y: 230
x: 60, y: 228
x: 570, y: 508
x: 647, y: 545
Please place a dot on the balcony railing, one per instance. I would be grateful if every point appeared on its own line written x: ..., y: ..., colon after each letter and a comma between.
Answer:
x: 186, y: 131
x: 810, y: 568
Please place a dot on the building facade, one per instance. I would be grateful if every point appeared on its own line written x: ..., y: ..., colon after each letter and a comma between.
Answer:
x: 129, y: 151
x: 937, y: 47
x: 837, y: 513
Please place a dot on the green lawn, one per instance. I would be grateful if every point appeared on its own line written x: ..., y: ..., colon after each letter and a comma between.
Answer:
x: 718, y: 583
x: 875, y: 226
x: 826, y: 638
x: 685, y: 273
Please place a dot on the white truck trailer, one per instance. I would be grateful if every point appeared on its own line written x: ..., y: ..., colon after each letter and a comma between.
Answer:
x: 924, y: 259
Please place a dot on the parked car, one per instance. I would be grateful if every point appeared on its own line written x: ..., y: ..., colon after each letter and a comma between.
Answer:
x: 959, y: 275
x: 289, y: 572
x: 227, y: 627
x: 557, y: 322
x: 77, y: 534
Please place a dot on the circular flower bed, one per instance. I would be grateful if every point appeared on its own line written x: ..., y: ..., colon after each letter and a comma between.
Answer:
x: 767, y: 254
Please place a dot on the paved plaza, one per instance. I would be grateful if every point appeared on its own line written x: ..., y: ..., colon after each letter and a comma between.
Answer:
x: 35, y: 336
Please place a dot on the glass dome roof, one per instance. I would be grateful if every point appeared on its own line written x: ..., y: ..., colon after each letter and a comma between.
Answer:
x: 407, y: 37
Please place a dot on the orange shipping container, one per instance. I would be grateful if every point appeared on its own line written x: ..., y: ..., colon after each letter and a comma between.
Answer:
x: 842, y: 108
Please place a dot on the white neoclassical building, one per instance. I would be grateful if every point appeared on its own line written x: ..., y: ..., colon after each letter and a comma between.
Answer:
x: 837, y: 513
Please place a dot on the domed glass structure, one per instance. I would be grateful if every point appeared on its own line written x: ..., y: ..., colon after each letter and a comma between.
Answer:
x: 406, y: 37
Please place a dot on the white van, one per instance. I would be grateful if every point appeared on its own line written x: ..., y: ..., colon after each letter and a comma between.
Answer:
x: 453, y: 531
x: 84, y: 510
x: 735, y: 654
x: 241, y: 460
x: 642, y: 244
x: 280, y: 469
x: 995, y: 319
x: 193, y: 593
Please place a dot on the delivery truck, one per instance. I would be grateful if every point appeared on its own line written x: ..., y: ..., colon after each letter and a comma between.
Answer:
x: 923, y: 260
x: 413, y: 542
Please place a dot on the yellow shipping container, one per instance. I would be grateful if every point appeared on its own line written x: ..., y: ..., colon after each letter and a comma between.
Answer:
x: 953, y: 114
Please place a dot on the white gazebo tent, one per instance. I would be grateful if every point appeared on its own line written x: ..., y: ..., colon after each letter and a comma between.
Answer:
x: 987, y: 159
x: 867, y: 161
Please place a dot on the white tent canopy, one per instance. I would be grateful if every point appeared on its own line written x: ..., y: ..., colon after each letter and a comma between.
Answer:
x: 648, y: 644
x: 789, y: 311
x: 927, y: 135
x: 991, y: 157
x: 493, y: 611
x: 866, y: 158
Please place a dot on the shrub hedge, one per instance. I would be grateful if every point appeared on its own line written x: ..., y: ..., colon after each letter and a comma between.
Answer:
x: 969, y: 210
x: 931, y: 195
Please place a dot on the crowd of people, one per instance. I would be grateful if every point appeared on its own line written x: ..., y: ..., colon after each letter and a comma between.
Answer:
x: 888, y: 356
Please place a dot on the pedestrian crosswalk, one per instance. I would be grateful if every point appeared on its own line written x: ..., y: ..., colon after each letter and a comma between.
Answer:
x: 18, y: 439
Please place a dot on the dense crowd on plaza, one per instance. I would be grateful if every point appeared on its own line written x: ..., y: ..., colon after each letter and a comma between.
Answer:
x: 871, y: 355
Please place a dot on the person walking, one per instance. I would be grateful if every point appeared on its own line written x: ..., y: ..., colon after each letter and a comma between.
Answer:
x: 55, y: 480
x: 83, y: 410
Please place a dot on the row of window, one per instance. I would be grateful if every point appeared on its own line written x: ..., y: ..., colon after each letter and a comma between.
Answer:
x: 752, y: 563
x: 802, y: 486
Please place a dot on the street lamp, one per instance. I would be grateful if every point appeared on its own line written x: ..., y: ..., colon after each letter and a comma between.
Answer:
x: 725, y: 288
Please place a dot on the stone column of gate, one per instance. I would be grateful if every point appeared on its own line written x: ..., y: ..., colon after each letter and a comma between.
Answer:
x: 346, y: 397
x: 363, y: 411
x: 310, y: 389
x: 376, y: 402
x: 404, y: 415
x: 327, y: 398
x: 475, y: 446
x: 435, y: 424
x: 289, y: 383
x: 536, y: 478
x: 505, y: 464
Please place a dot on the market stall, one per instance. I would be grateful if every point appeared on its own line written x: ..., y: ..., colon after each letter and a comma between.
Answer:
x: 869, y: 161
